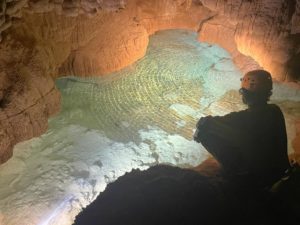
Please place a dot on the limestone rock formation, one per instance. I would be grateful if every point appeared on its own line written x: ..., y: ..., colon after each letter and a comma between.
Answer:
x: 105, y: 44
x: 161, y: 15
x: 27, y: 97
x: 12, y: 9
x: 8, y: 11
x: 296, y: 19
x: 111, y: 41
x: 267, y: 31
x: 220, y: 30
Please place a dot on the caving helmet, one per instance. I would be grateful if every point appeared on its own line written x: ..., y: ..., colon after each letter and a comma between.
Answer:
x: 257, y: 81
x: 256, y: 85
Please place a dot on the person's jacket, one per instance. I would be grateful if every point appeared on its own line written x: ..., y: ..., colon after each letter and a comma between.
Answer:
x: 249, y: 141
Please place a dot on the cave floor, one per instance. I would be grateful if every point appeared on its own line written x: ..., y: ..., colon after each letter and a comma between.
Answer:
x: 138, y: 117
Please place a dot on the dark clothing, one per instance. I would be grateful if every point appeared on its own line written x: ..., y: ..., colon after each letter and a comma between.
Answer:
x: 251, y: 142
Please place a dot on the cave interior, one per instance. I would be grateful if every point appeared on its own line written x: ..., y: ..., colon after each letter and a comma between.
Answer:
x: 99, y: 101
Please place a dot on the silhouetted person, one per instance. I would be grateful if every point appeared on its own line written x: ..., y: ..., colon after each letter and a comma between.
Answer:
x: 249, y: 144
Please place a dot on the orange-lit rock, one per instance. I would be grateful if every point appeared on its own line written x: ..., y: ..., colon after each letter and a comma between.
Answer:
x: 210, y: 167
x: 104, y: 44
x: 264, y: 30
x: 28, y: 96
x: 112, y: 40
x: 160, y: 15
x: 220, y: 30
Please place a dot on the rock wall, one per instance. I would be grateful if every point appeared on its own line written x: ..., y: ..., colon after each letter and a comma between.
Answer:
x: 11, y: 10
x: 165, y: 195
x: 27, y: 96
x: 267, y: 31
x: 220, y: 30
x: 105, y: 44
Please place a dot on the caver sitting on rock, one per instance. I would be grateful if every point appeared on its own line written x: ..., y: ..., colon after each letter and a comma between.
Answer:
x: 250, y: 145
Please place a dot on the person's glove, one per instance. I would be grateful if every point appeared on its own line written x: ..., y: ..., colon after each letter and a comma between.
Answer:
x: 196, y: 136
x: 199, y: 124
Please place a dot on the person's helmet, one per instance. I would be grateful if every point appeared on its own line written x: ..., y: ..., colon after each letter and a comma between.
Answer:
x: 257, y: 81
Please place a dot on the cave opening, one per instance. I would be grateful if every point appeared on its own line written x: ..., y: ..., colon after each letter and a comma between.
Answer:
x: 138, y: 117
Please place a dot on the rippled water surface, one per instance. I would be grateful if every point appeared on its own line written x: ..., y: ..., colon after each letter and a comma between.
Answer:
x: 134, y: 118
x: 164, y: 89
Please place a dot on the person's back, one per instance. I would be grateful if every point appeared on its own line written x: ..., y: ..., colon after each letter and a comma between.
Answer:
x: 251, y: 143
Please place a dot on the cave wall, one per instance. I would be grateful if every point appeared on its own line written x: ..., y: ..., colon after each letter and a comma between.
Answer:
x: 113, y: 40
x: 44, y: 39
x: 267, y: 30
x: 27, y: 95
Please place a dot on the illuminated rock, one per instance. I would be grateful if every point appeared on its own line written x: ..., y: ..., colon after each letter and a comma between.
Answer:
x: 163, y: 14
x: 107, y: 43
x: 25, y: 108
x: 267, y: 31
x: 220, y: 30
x: 27, y: 96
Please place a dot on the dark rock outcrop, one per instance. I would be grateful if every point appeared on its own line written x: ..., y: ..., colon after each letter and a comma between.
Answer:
x: 166, y: 195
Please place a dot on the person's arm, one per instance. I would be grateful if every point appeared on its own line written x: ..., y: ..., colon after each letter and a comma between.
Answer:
x: 226, y: 127
x: 201, y: 128
x: 221, y: 139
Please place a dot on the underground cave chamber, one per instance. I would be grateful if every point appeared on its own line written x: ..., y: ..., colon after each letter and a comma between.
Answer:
x: 138, y: 117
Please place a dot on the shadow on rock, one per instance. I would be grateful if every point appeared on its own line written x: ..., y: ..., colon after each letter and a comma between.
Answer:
x: 164, y: 195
